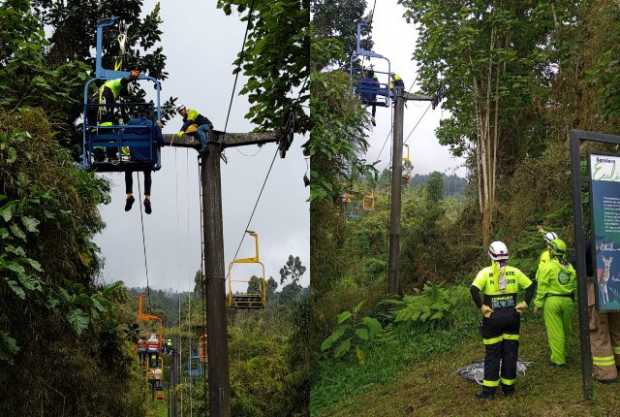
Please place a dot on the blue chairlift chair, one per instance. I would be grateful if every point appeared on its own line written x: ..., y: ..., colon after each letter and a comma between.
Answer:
x: 133, y: 145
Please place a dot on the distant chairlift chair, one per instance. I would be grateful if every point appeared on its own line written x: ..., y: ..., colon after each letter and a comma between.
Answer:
x: 368, y: 202
x: 407, y: 166
x: 195, y: 366
x: 251, y: 299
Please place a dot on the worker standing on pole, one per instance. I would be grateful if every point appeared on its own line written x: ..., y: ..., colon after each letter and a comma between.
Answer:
x: 556, y: 284
x: 495, y: 290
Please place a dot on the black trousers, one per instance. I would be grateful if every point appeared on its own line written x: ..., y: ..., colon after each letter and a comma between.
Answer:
x: 107, y: 111
x: 500, y: 334
x: 129, y: 182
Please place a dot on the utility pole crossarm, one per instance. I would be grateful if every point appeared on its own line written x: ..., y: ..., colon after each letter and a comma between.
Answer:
x: 229, y: 139
x: 417, y: 97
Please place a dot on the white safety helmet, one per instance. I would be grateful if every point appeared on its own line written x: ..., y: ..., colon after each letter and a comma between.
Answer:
x: 498, y: 251
x: 181, y: 108
x: 550, y: 237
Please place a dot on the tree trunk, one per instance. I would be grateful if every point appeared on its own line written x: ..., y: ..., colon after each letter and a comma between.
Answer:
x: 486, y: 99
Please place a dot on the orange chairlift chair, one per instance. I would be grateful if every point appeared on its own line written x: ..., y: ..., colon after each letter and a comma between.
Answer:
x: 142, y: 316
x: 145, y: 317
x: 251, y: 299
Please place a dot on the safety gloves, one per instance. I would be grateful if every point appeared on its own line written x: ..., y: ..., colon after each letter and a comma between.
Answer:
x: 486, y: 311
x: 521, y: 307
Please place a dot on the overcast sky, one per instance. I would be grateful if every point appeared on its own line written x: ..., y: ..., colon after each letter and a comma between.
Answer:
x: 395, y: 39
x: 200, y: 46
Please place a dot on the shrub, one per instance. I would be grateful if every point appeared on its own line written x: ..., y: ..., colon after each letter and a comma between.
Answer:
x: 353, y: 333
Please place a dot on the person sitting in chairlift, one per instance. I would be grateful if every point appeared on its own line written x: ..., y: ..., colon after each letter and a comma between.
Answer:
x: 142, y: 354
x: 142, y: 154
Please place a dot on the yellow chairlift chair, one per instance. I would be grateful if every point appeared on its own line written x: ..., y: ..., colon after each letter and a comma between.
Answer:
x: 368, y: 202
x: 251, y: 299
x: 407, y: 166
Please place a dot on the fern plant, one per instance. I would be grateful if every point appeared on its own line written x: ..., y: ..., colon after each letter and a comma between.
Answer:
x: 352, y: 334
x: 435, y: 305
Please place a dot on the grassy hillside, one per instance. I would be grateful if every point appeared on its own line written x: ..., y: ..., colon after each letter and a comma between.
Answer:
x: 429, y: 386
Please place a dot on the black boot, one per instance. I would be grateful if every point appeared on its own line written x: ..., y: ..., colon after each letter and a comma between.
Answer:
x: 486, y: 394
x: 147, y: 206
x: 129, y: 202
x: 508, y: 390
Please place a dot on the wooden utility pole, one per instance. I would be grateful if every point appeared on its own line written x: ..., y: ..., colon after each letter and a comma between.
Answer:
x: 217, y: 377
x: 400, y: 97
x: 217, y: 336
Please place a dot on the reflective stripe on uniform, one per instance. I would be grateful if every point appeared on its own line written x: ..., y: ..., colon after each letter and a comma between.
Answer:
x: 114, y: 86
x: 617, y: 350
x: 603, y: 361
x: 492, y: 340
x: 492, y: 384
x: 498, y: 339
x: 507, y: 381
x: 192, y: 114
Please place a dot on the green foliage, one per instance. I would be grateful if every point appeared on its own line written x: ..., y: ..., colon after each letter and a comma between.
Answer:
x: 434, y: 189
x: 353, y: 333
x: 26, y: 78
x: 292, y: 270
x: 269, y: 362
x: 339, y: 135
x: 336, y: 20
x: 406, y: 344
x: 275, y: 60
x: 57, y: 326
x: 436, y: 305
x: 70, y: 28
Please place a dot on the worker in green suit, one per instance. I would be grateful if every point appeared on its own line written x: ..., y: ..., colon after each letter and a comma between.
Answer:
x: 548, y: 237
x: 557, y: 281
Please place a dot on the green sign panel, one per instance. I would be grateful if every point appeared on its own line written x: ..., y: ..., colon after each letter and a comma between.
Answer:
x: 605, y: 188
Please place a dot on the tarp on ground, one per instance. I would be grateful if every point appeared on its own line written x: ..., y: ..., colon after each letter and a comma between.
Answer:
x: 475, y: 372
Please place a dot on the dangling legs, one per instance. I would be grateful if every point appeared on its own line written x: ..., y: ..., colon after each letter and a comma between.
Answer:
x: 129, y: 190
x: 147, y: 191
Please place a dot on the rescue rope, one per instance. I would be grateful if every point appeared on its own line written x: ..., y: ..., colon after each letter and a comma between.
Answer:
x: 203, y: 284
x: 191, y: 354
x: 122, y: 42
x: 180, y: 356
x: 187, y: 194
x: 146, y: 266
